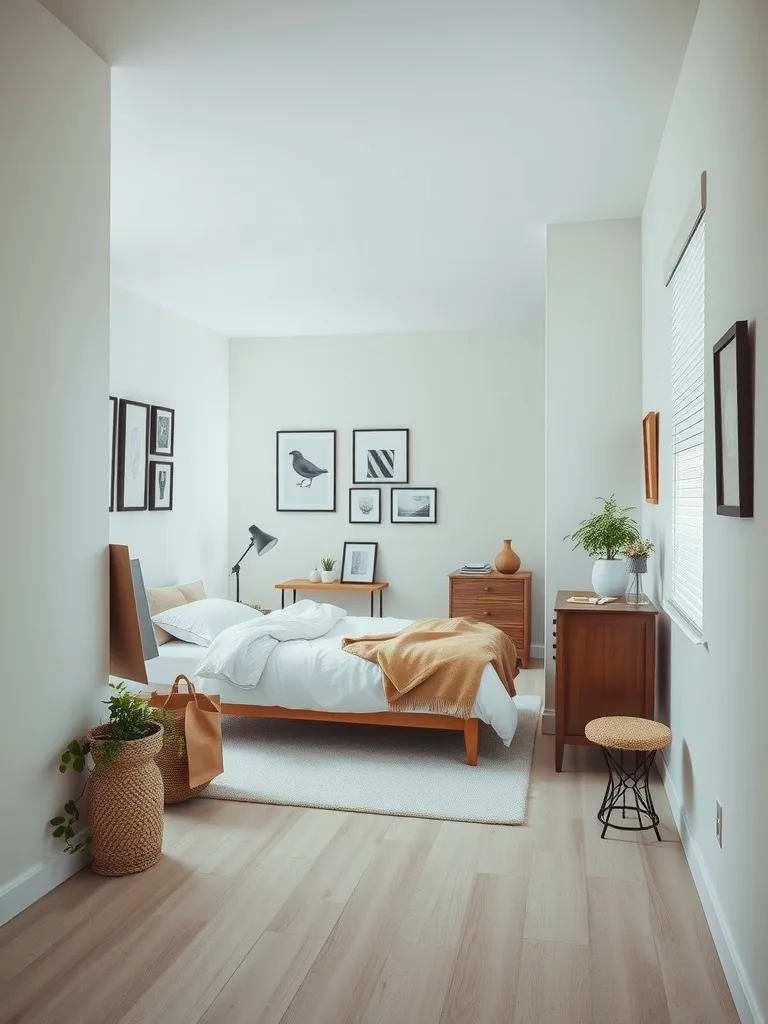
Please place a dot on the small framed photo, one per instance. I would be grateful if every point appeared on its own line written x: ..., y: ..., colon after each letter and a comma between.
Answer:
x: 305, y: 471
x: 380, y: 455
x: 734, y: 437
x: 651, y: 457
x: 414, y: 505
x: 365, y: 504
x: 132, y: 445
x: 162, y: 423
x: 358, y: 563
x: 160, y: 486
x: 112, y: 450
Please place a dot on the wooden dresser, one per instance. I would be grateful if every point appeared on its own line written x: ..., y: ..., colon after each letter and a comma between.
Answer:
x: 605, y: 663
x: 502, y: 600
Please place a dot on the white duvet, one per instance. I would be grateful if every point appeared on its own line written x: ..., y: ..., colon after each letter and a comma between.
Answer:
x: 293, y: 659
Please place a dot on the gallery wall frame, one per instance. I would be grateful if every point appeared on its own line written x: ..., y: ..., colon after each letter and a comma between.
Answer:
x: 132, y: 449
x: 305, y: 471
x: 734, y: 423
x: 381, y: 455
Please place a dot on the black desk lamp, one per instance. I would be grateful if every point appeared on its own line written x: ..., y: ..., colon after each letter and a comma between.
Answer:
x: 263, y: 542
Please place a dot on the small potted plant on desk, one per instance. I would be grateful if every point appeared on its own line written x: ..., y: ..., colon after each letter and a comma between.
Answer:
x: 125, y: 787
x: 604, y: 536
x: 637, y: 566
x: 328, y: 575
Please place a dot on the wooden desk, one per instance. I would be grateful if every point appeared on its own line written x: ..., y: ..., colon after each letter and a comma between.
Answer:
x: 360, y: 588
x: 605, y: 663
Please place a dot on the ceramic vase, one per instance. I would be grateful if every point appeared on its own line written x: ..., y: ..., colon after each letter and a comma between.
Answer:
x: 314, y: 576
x: 609, y: 577
x: 507, y: 561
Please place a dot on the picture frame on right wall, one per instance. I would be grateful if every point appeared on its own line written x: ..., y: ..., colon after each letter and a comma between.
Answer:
x: 413, y: 505
x: 734, y: 424
x: 651, y: 457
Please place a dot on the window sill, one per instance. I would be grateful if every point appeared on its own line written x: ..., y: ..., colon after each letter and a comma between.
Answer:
x: 693, y: 634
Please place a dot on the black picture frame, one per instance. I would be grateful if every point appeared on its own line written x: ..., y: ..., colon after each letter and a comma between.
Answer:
x: 154, y: 496
x: 112, y: 451
x: 381, y: 476
x: 416, y: 519
x: 345, y: 576
x: 135, y: 435
x: 371, y: 517
x: 154, y: 446
x: 294, y: 437
x: 734, y: 423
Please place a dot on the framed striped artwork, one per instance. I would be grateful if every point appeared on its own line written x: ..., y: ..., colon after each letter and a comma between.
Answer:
x: 380, y: 456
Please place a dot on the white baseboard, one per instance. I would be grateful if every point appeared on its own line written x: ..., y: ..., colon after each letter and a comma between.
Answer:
x: 741, y: 990
x: 33, y: 884
x: 548, y: 722
x: 537, y: 651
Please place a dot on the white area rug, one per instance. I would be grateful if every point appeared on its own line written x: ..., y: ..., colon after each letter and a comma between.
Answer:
x: 379, y: 769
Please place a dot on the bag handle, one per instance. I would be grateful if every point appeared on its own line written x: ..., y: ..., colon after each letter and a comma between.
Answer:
x: 175, y: 688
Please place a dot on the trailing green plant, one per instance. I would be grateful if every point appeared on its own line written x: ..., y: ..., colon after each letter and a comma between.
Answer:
x: 130, y: 718
x: 607, y: 533
x: 328, y: 564
x: 638, y: 548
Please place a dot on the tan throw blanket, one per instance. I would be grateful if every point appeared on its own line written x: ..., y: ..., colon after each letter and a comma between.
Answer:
x: 436, y: 664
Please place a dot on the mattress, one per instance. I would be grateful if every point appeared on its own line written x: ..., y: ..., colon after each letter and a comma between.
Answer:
x: 317, y: 675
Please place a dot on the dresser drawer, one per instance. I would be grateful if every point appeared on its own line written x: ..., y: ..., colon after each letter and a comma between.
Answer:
x: 490, y: 609
x: 510, y: 589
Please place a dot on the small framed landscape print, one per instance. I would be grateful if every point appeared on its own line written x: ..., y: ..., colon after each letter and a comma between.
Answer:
x: 112, y: 450
x: 365, y: 504
x: 160, y: 486
x: 358, y: 563
x: 414, y: 505
x: 380, y: 456
x: 734, y: 438
x: 651, y: 457
x: 132, y: 445
x: 162, y: 424
x: 305, y: 470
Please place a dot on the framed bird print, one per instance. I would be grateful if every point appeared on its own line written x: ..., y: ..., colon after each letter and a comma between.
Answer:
x: 380, y: 456
x: 305, y: 471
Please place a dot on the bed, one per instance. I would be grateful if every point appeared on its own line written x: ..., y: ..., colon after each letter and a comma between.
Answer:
x: 310, y: 679
x: 315, y: 679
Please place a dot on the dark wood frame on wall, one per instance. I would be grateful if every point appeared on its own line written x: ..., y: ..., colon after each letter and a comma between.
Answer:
x: 277, y: 471
x: 153, y: 506
x: 121, y: 506
x: 373, y: 481
x: 737, y: 335
x: 154, y: 409
x: 651, y: 457
x: 414, y: 520
x: 364, y: 522
x: 112, y: 476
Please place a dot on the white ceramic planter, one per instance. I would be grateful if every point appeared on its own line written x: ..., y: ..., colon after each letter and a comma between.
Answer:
x: 314, y: 576
x: 609, y: 577
x: 328, y: 577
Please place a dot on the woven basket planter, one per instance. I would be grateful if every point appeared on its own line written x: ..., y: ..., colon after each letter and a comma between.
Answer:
x: 174, y: 767
x: 125, y: 805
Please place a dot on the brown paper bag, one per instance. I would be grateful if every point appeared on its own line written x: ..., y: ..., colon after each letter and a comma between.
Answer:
x: 202, y: 730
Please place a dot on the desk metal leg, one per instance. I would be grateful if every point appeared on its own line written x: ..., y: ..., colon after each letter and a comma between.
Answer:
x: 381, y: 604
x: 371, y: 604
x: 294, y: 597
x: 282, y: 599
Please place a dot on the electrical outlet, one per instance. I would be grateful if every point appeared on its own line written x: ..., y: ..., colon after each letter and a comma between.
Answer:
x: 719, y: 824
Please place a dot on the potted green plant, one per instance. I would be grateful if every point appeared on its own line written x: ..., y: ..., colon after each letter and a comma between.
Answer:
x: 604, y: 536
x: 124, y: 787
x: 328, y: 575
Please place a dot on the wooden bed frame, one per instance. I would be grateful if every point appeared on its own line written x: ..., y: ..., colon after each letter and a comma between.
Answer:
x: 127, y: 659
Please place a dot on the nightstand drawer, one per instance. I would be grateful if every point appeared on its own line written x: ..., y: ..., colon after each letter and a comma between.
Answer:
x: 510, y: 588
x: 497, y: 610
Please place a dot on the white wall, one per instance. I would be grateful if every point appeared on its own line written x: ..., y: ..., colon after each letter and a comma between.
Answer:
x: 162, y: 358
x: 593, y: 408
x: 716, y: 699
x: 474, y: 406
x: 54, y: 310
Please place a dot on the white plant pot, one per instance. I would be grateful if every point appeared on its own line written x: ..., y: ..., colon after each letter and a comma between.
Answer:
x: 314, y: 576
x: 328, y: 577
x: 609, y: 577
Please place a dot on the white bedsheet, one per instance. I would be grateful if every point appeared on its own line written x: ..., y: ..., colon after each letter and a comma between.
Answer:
x: 316, y: 675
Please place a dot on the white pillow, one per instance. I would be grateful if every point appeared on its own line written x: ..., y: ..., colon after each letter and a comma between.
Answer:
x: 200, y: 622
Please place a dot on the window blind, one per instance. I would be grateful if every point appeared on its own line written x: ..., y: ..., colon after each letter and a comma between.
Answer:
x: 687, y: 563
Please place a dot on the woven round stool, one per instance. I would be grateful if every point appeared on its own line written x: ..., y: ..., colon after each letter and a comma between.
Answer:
x: 642, y: 737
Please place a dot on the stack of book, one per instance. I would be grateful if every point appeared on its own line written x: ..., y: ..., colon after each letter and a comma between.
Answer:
x: 476, y: 568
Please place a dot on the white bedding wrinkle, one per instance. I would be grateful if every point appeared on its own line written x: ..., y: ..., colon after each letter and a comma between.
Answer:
x: 240, y: 654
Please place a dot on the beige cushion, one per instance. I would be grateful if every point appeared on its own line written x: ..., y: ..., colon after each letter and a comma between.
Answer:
x: 161, y: 599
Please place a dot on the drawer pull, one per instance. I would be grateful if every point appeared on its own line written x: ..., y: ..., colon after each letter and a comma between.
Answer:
x: 488, y: 614
x: 487, y: 590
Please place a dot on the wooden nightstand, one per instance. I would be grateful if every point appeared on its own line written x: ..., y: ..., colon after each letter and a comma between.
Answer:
x: 502, y: 600
x: 605, y: 663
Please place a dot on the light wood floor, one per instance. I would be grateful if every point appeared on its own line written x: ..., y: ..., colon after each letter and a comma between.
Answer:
x: 260, y: 914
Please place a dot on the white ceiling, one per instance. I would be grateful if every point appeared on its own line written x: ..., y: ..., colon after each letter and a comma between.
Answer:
x: 342, y: 166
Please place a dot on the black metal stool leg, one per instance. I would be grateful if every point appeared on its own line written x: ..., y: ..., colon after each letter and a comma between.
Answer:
x: 621, y: 781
